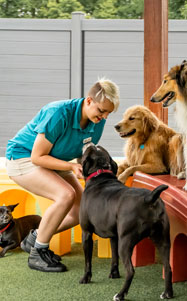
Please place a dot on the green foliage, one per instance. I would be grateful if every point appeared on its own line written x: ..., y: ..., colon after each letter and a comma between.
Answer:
x: 176, y: 9
x: 184, y: 11
x: 39, y: 9
x: 101, y: 9
x: 61, y: 9
x: 105, y: 9
x: 89, y: 5
x: 21, y: 8
x: 130, y: 9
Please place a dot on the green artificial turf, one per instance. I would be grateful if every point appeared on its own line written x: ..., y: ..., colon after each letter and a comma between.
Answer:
x: 19, y: 283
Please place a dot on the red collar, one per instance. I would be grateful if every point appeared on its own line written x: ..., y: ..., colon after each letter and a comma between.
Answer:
x: 2, y: 230
x: 97, y: 173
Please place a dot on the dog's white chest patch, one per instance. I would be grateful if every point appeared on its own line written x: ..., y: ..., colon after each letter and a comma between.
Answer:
x: 181, y: 116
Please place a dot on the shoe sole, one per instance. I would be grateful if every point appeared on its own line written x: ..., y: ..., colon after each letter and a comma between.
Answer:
x: 42, y: 269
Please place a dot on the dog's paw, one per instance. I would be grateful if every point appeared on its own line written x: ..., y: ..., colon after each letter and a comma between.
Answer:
x: 114, y: 275
x: 117, y: 298
x: 185, y: 187
x: 181, y: 175
x: 166, y: 295
x: 85, y: 279
x: 122, y: 179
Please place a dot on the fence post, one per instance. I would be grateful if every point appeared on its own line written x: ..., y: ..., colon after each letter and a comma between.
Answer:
x: 76, y: 54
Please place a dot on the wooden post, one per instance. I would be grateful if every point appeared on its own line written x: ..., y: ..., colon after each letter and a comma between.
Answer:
x: 155, y: 51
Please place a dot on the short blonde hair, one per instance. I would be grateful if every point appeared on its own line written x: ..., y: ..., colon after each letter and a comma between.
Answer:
x: 105, y: 88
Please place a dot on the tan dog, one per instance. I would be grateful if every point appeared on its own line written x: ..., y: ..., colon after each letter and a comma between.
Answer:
x: 150, y: 144
x: 174, y: 89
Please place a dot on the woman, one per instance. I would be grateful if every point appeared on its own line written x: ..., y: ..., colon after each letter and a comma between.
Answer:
x: 38, y: 159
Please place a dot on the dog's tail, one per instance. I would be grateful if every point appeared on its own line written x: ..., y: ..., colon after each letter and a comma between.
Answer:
x: 154, y: 195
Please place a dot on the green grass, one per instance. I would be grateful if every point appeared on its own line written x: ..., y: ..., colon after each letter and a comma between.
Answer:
x: 19, y: 283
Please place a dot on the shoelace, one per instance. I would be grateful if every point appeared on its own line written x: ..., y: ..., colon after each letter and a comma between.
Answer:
x: 47, y: 255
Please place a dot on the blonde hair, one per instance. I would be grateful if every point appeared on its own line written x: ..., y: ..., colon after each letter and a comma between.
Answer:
x: 105, y: 88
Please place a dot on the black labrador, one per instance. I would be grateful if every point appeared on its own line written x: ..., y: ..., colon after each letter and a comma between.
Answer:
x: 125, y: 215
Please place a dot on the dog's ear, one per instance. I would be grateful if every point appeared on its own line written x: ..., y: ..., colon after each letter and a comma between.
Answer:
x: 12, y: 207
x: 154, y: 195
x: 114, y: 166
x: 183, y: 63
x: 149, y: 124
x: 86, y: 167
x: 183, y: 75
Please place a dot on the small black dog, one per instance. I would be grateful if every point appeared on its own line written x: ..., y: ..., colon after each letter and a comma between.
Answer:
x: 13, y: 231
x: 125, y: 215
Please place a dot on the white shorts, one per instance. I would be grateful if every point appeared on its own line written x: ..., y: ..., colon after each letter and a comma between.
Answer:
x: 23, y: 166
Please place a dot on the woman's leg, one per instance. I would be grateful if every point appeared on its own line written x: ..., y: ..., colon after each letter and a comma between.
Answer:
x: 49, y: 184
x: 72, y: 218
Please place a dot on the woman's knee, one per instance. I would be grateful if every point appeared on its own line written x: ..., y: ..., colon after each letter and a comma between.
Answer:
x: 67, y: 197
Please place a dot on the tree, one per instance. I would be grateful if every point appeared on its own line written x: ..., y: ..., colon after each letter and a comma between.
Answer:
x: 105, y: 9
x: 184, y: 11
x: 38, y: 9
x: 21, y: 8
x: 89, y: 5
x: 130, y: 9
x: 176, y: 8
x: 61, y: 9
x: 11, y: 8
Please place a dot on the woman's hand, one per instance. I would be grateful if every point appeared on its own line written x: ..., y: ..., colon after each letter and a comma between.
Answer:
x: 77, y: 169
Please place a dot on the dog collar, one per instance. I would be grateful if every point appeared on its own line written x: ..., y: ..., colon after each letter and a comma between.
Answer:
x: 2, y: 230
x: 97, y: 173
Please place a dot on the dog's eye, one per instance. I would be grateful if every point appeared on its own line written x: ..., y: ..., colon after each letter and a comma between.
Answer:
x: 165, y: 81
x: 131, y: 118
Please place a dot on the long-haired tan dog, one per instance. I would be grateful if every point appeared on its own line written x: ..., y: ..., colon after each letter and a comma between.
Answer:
x: 150, y: 144
x: 174, y: 89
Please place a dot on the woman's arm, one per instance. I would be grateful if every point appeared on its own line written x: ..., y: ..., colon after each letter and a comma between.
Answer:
x: 40, y: 156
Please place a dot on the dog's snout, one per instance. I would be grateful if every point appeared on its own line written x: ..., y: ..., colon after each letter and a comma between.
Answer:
x: 117, y: 127
x: 152, y: 99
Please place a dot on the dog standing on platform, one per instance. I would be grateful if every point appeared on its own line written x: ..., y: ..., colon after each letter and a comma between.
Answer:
x: 125, y: 215
x: 13, y: 231
x: 174, y: 89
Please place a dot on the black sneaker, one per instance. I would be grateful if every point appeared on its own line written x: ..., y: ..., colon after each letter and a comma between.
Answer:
x: 29, y: 242
x: 42, y: 260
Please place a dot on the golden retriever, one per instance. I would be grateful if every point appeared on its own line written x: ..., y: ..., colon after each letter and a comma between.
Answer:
x: 174, y: 89
x: 152, y: 147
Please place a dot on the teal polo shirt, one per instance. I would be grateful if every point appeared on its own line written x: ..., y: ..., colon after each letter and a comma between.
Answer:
x: 60, y: 122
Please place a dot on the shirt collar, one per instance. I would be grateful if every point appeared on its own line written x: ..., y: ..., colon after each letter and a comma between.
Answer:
x: 77, y: 117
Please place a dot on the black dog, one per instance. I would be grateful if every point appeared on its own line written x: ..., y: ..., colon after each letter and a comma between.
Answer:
x: 125, y: 215
x: 13, y: 231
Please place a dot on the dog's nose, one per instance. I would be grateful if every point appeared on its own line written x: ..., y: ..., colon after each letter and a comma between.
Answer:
x: 117, y: 127
x: 152, y: 99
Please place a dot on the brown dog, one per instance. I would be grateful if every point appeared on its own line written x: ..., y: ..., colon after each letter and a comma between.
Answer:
x: 13, y: 231
x: 174, y: 90
x: 150, y: 144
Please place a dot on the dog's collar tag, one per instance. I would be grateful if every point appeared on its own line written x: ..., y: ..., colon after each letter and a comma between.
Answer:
x: 142, y: 146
